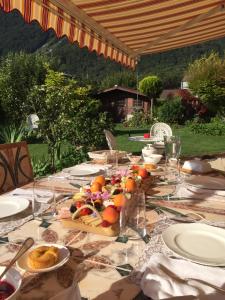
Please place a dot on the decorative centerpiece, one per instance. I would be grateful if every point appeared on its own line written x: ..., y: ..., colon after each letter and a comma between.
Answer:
x: 96, y: 208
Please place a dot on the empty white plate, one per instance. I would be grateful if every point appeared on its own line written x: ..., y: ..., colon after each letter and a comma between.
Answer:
x: 81, y: 171
x: 10, y: 206
x: 199, y: 243
x: 206, y: 182
x: 64, y: 255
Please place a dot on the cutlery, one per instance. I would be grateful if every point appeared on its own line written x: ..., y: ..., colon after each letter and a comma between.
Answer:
x: 27, y: 244
x: 163, y: 208
x: 186, y: 280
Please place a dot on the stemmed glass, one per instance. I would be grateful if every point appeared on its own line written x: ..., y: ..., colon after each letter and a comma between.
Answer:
x: 172, y: 165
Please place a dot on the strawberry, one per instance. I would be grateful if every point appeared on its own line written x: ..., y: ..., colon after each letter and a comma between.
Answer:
x: 85, y: 211
x: 105, y: 224
x: 79, y: 204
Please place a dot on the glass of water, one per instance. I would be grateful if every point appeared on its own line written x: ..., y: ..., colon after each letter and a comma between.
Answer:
x: 172, y: 148
x: 44, y: 202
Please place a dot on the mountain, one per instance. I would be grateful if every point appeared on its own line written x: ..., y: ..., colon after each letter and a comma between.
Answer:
x: 16, y: 35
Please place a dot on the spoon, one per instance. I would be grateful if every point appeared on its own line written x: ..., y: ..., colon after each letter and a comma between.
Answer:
x: 25, y: 246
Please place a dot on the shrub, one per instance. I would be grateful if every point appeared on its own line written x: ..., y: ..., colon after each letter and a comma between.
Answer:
x: 139, y: 119
x: 172, y: 111
x: 206, y: 78
x: 19, y: 73
x: 42, y: 167
x: 67, y: 113
x: 215, y: 127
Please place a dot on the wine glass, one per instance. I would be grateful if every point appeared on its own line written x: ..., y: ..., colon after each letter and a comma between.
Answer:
x: 172, y: 165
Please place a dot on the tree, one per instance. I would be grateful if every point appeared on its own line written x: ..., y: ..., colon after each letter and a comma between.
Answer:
x: 206, y: 78
x: 151, y: 86
x: 19, y: 73
x: 67, y: 114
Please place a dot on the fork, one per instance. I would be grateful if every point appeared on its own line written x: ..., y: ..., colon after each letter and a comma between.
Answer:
x: 186, y: 280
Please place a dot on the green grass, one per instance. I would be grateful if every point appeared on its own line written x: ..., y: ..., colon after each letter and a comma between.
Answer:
x: 192, y: 144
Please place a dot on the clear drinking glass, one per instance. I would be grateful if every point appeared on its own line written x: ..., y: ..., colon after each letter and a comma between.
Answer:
x: 44, y: 202
x: 133, y: 218
x: 172, y: 148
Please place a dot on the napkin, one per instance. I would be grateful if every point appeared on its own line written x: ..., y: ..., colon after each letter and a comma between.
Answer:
x: 158, y: 284
x: 71, y: 293
x: 45, y: 195
x: 187, y: 191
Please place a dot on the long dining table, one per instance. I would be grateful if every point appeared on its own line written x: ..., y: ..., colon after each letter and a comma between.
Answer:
x: 104, y: 267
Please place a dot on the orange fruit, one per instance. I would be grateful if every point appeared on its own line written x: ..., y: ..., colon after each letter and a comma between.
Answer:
x: 110, y: 215
x: 96, y: 187
x: 143, y: 173
x: 130, y: 185
x: 100, y: 179
x: 119, y: 200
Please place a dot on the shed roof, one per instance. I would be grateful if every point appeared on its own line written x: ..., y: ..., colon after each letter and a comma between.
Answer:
x: 127, y: 92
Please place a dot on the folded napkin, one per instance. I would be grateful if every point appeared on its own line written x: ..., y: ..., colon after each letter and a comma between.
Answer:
x: 158, y: 284
x: 188, y: 191
x: 45, y: 195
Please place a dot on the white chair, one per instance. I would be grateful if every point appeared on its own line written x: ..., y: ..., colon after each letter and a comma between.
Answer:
x: 160, y: 130
x: 111, y: 141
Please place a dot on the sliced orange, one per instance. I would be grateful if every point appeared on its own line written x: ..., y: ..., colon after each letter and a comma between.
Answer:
x: 96, y: 187
x: 100, y: 179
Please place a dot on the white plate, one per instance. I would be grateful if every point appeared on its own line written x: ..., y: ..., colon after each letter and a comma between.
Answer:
x: 64, y: 255
x: 140, y: 138
x: 199, y: 243
x: 82, y: 171
x: 206, y: 182
x: 10, y: 206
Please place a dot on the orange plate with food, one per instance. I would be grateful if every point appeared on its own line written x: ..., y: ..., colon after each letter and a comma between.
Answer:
x: 44, y: 258
x: 103, y: 223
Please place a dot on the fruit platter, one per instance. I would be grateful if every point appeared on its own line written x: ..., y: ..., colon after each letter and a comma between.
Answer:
x: 97, y: 207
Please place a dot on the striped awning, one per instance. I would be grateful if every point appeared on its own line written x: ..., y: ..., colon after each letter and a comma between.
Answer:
x: 125, y: 29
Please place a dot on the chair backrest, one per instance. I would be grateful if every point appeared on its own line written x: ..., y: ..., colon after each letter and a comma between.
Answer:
x: 111, y: 141
x: 160, y: 130
x: 15, y: 166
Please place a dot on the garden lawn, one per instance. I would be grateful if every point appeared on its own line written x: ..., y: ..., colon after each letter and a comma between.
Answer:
x: 192, y: 144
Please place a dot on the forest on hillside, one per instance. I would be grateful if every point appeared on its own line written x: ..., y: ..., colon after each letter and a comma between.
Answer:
x: 16, y: 35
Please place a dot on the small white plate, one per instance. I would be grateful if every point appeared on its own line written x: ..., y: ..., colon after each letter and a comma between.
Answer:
x: 81, y: 171
x: 206, y: 182
x: 64, y: 255
x: 10, y: 206
x: 197, y: 242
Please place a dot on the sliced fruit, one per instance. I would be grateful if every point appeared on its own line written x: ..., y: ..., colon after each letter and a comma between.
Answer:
x: 96, y: 187
x: 143, y: 173
x: 85, y: 211
x: 110, y: 215
x: 105, y: 224
x: 119, y: 200
x: 73, y: 208
x: 130, y: 185
x: 100, y: 179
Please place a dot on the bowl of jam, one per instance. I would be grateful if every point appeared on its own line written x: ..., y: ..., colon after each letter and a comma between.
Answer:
x: 9, y: 284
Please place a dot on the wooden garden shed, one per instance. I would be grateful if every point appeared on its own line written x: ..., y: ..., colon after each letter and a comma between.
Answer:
x: 121, y: 102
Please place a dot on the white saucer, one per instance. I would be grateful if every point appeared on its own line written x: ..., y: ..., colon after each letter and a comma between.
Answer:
x: 64, y: 255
